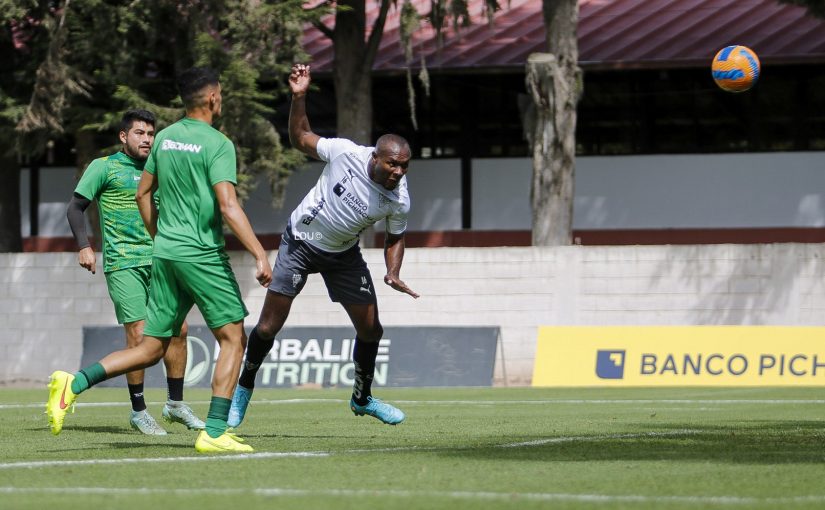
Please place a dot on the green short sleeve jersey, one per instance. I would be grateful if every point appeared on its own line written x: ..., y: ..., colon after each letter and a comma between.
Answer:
x: 113, y: 182
x: 188, y: 158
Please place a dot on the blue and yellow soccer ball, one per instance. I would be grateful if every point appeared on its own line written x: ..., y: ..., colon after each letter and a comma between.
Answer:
x: 735, y: 68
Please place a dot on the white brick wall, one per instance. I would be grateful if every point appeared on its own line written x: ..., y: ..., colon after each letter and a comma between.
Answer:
x: 47, y: 298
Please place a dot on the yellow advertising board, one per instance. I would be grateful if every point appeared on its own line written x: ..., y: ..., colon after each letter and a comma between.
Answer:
x: 680, y: 356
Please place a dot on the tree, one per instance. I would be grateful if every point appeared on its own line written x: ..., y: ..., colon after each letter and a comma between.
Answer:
x: 352, y: 65
x: 247, y: 41
x: 23, y: 42
x: 554, y: 83
x: 72, y: 67
x: 355, y: 48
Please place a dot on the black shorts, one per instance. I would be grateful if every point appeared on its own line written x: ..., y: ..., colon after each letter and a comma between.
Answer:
x: 345, y: 274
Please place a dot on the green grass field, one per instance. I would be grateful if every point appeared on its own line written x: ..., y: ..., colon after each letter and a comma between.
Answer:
x: 459, y: 448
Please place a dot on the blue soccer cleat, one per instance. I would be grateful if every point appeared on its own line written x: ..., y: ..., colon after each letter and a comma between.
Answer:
x: 240, y: 401
x: 376, y: 408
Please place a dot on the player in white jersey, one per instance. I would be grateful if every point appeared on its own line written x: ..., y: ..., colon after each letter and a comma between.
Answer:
x: 358, y: 186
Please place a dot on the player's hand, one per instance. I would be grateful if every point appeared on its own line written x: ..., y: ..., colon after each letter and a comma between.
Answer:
x: 263, y: 273
x: 86, y: 259
x: 299, y: 79
x: 398, y: 285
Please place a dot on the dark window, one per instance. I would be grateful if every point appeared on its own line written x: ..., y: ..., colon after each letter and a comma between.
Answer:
x: 662, y: 111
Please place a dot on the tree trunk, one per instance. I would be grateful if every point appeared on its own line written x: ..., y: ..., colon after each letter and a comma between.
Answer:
x: 353, y: 95
x: 352, y: 73
x: 554, y: 83
x: 10, y: 238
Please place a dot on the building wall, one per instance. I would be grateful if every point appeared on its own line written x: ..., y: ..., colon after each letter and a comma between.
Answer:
x: 46, y: 299
x: 618, y: 192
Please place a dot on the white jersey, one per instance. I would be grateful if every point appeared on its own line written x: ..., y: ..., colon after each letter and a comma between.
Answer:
x: 345, y: 200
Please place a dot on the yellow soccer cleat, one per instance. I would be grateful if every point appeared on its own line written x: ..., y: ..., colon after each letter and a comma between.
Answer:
x: 61, y: 399
x: 225, y: 443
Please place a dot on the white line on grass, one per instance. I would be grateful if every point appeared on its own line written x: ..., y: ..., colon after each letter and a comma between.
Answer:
x: 152, y: 460
x: 572, y: 439
x: 474, y: 402
x: 376, y: 493
x: 269, y: 455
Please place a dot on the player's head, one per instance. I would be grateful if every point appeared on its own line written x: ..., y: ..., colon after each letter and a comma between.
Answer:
x: 137, y: 132
x: 390, y: 160
x: 200, y: 88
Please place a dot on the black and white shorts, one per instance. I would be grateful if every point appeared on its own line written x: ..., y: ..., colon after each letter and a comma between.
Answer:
x: 345, y: 274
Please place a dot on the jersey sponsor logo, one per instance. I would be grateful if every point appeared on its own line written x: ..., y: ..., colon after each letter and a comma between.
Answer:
x: 358, y: 206
x: 171, y: 145
x: 313, y: 212
x: 339, y: 189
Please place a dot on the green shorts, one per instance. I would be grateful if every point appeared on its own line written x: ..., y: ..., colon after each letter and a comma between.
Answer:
x: 129, y: 290
x: 176, y: 286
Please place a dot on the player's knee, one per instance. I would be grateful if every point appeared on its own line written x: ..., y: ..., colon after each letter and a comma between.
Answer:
x: 134, y: 333
x: 267, y: 329
x: 372, y: 334
x: 153, y: 351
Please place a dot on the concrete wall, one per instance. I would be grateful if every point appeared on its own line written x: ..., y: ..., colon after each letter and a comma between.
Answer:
x: 618, y: 192
x: 45, y: 299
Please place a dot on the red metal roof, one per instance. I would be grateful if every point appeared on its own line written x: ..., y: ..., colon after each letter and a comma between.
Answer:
x: 612, y: 34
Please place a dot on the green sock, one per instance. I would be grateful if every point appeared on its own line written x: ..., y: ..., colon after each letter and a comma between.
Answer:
x: 217, y: 415
x: 88, y: 377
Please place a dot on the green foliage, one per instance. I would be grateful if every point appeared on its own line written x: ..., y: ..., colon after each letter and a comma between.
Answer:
x: 458, y: 11
x: 15, y: 9
x: 90, y: 60
x: 440, y: 13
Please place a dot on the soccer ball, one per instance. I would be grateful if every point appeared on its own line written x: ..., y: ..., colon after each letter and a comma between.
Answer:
x: 735, y: 68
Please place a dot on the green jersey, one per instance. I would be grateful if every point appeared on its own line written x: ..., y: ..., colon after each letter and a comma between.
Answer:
x: 188, y: 158
x: 113, y: 182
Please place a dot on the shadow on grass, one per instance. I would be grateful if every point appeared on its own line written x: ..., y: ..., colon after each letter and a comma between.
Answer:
x: 755, y: 442
x: 248, y: 435
x: 98, y: 429
x: 186, y: 447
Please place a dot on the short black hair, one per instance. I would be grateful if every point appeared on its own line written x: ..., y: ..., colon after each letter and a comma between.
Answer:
x: 194, y: 80
x: 387, y: 143
x: 131, y: 116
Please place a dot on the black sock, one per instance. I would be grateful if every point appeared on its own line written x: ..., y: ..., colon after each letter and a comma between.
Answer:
x: 364, y: 356
x: 256, y: 350
x: 136, y: 396
x: 175, y: 385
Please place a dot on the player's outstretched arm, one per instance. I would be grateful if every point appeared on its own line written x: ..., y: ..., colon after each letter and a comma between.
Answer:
x: 77, y: 222
x: 393, y: 256
x: 148, y: 212
x: 237, y: 221
x: 300, y: 134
